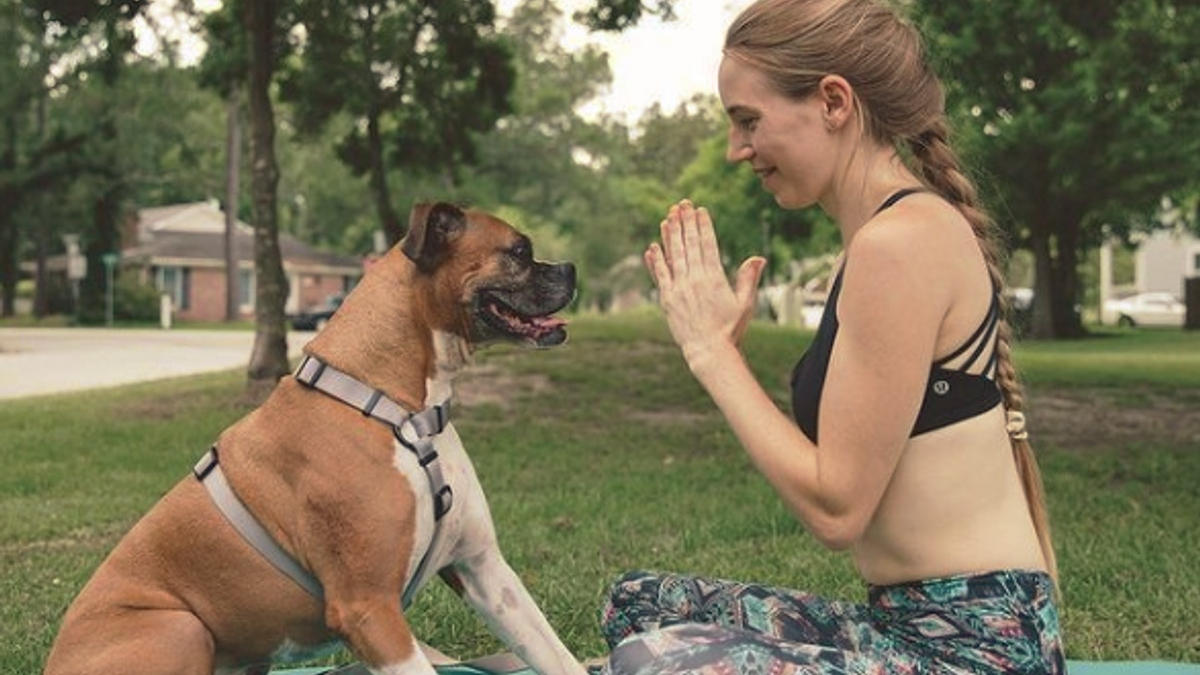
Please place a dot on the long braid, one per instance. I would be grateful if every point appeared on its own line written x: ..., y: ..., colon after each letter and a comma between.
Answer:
x: 940, y: 169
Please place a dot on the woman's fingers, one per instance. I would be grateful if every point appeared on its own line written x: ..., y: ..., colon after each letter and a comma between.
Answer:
x: 706, y: 242
x: 657, y: 264
x: 690, y: 230
x: 673, y: 243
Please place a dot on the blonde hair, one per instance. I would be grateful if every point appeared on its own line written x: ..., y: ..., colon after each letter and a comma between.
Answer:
x: 901, y: 102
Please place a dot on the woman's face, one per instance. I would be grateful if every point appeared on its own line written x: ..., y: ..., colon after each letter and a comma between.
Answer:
x: 785, y: 141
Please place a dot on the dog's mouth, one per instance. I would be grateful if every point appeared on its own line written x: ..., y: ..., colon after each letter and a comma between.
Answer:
x: 543, y: 330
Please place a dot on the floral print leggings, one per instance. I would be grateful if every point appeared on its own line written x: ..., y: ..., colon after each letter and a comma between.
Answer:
x: 1001, y: 622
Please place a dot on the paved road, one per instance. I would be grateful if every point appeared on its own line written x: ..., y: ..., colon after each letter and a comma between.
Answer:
x: 35, y: 361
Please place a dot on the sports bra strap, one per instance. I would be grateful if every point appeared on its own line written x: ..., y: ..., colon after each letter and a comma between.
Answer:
x: 979, y: 338
x: 897, y: 196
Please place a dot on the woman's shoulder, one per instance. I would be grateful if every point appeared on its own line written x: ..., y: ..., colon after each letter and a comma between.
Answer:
x: 922, y: 230
x: 918, y: 246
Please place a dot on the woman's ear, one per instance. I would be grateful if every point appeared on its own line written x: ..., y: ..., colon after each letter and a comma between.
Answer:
x: 837, y: 101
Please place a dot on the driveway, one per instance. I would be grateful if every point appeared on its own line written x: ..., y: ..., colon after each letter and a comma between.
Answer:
x: 36, y: 361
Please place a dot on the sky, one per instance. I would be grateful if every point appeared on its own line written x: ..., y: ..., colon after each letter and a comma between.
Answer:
x: 655, y: 61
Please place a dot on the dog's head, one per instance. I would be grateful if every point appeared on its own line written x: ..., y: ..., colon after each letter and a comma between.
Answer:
x: 488, y: 281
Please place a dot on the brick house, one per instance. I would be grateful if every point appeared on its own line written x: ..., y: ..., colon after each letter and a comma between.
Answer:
x: 181, y: 248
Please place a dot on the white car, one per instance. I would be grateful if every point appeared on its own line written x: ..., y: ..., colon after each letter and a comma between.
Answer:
x: 1145, y: 309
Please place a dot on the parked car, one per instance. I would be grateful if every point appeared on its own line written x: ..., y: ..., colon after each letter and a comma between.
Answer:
x: 1145, y: 309
x: 316, y: 317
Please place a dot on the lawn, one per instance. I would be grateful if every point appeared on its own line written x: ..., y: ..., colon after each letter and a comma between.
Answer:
x: 603, y: 455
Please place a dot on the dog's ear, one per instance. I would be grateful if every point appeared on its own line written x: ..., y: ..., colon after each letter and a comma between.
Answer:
x: 430, y: 228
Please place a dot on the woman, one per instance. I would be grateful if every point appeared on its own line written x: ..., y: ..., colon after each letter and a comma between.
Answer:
x: 908, y: 445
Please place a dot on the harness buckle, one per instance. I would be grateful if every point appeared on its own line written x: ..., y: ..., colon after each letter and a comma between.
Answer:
x: 306, y: 379
x: 442, y: 502
x: 206, y: 464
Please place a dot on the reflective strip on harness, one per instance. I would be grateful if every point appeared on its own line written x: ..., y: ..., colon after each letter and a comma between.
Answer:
x: 208, y: 472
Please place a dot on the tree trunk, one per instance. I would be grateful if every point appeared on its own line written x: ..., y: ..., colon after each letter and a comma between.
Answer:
x: 1056, y: 277
x: 106, y: 209
x: 393, y: 229
x: 1041, y: 322
x: 233, y: 166
x: 9, y: 273
x: 268, y: 361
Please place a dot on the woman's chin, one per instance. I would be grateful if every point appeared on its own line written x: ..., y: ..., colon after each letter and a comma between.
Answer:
x: 786, y: 201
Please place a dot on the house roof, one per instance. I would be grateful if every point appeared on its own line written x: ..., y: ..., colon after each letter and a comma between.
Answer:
x: 195, y: 233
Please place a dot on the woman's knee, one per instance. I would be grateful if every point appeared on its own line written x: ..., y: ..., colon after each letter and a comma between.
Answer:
x: 628, y: 606
x: 675, y: 649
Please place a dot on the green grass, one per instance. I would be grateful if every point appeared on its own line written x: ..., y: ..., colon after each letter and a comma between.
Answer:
x: 604, y: 455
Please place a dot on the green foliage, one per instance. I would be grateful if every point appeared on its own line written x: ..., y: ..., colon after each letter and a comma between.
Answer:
x: 617, y: 15
x: 1083, y: 116
x: 425, y: 76
x: 667, y: 142
x: 134, y: 300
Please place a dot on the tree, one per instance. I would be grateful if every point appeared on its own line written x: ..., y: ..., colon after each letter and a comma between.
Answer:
x: 224, y: 69
x: 1085, y: 115
x: 572, y: 174
x: 667, y: 142
x: 104, y: 30
x: 20, y: 99
x: 423, y: 77
x: 268, y: 359
x: 617, y: 15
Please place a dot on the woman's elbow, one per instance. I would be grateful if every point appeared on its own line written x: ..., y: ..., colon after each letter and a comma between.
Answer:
x: 836, y: 531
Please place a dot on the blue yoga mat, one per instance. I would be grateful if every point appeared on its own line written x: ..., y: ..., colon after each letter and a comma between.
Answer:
x: 1131, y: 668
x: 1073, y: 668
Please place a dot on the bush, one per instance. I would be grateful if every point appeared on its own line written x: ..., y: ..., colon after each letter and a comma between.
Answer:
x: 134, y: 300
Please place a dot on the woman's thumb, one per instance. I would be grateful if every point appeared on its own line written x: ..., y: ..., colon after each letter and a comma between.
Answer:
x: 748, y: 277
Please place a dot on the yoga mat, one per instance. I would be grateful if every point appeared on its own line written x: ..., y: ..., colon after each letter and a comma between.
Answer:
x: 1131, y: 668
x: 1073, y: 668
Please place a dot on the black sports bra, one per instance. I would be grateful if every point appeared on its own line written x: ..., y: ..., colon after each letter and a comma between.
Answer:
x: 957, y: 389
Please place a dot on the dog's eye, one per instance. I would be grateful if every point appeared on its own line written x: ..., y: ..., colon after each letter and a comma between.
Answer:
x: 522, y: 251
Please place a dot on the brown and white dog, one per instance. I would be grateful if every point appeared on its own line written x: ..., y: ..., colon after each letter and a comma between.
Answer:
x: 344, y: 481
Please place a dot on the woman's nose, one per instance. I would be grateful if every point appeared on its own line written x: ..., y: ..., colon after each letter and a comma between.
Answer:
x: 738, y: 150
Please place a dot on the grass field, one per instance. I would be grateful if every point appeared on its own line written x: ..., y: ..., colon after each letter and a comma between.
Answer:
x: 604, y: 455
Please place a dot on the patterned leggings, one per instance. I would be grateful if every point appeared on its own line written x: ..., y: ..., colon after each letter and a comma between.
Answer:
x: 1003, y: 622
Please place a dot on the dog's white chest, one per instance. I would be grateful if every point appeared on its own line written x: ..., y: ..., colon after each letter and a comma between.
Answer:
x: 437, y: 543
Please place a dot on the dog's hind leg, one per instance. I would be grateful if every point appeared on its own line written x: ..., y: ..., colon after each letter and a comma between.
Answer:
x: 142, y: 641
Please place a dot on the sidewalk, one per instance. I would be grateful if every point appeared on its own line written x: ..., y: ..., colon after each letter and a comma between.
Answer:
x: 38, y: 361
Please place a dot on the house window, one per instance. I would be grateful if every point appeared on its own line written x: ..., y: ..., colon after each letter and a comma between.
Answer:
x: 176, y: 283
x: 246, y: 288
x: 1196, y: 264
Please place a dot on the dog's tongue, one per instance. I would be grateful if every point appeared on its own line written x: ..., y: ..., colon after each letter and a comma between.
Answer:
x: 543, y: 325
x: 549, y: 322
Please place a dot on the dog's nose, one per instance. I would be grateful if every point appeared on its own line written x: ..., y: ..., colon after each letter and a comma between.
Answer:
x: 566, y: 271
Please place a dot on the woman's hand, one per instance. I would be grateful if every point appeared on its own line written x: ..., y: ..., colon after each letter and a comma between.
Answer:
x: 704, y: 312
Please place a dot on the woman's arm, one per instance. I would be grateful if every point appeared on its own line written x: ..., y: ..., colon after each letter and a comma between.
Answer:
x: 872, y: 392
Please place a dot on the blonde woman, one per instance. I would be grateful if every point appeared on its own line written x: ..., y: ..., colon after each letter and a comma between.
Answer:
x: 906, y: 445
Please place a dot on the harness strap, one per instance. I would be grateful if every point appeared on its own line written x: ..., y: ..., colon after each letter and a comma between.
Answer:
x: 415, y: 431
x: 208, y: 472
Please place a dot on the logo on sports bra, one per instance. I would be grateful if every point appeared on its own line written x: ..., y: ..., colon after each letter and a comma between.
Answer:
x: 941, y: 387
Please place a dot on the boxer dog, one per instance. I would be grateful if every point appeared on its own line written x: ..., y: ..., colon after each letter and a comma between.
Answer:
x: 314, y: 518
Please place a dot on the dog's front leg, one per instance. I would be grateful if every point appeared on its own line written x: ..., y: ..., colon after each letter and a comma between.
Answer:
x: 379, y: 635
x: 491, y: 587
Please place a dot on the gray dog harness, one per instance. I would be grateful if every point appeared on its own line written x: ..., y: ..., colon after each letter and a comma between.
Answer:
x: 415, y: 431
